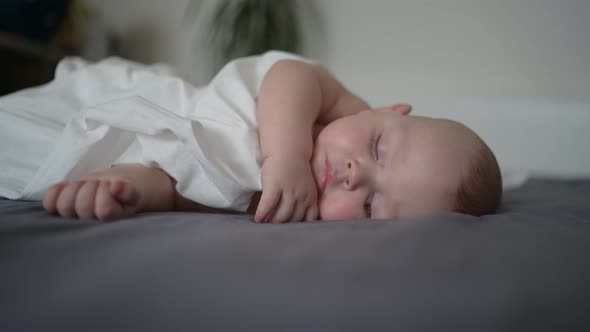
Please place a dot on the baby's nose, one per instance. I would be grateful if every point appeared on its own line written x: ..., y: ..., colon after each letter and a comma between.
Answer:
x: 354, y: 174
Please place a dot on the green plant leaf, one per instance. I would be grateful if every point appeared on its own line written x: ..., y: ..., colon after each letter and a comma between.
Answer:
x: 247, y: 27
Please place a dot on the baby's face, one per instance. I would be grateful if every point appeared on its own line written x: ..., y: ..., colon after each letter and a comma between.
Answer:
x: 384, y: 165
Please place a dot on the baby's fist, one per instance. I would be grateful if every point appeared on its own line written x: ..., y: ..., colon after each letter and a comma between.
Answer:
x: 102, y: 198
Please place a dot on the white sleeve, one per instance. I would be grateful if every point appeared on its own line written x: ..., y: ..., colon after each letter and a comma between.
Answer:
x: 206, y: 138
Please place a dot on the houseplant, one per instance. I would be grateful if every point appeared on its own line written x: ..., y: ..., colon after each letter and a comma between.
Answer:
x: 238, y: 28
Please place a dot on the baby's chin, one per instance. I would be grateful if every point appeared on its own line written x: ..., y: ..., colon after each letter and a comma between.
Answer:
x: 337, y: 212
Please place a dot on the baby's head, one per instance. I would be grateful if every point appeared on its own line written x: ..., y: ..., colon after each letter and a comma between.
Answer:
x: 382, y: 163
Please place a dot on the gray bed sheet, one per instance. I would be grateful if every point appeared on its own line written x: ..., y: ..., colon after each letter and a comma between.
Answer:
x: 526, y: 268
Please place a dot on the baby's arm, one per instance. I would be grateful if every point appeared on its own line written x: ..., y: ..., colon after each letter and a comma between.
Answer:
x: 113, y: 193
x: 293, y: 97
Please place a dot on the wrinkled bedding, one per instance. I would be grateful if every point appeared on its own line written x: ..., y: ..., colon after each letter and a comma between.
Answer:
x: 525, y: 268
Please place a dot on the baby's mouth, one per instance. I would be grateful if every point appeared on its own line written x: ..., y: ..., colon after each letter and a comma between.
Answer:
x: 327, y: 176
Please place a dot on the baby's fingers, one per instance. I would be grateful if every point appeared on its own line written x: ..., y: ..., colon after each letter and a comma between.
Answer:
x: 50, y: 197
x: 85, y: 199
x: 298, y: 213
x: 268, y: 202
x: 66, y: 202
x: 312, y: 213
x: 284, y: 210
x: 106, y: 207
x: 124, y: 192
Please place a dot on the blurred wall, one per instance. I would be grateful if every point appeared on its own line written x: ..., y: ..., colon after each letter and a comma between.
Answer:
x: 398, y: 47
x: 461, y: 47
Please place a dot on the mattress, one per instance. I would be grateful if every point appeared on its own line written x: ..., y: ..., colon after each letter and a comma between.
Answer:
x: 525, y: 268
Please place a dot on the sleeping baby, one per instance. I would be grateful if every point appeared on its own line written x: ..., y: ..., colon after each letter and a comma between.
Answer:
x: 115, y: 138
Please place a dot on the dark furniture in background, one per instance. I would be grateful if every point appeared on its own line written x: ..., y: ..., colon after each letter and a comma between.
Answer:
x: 25, y: 63
x: 28, y: 54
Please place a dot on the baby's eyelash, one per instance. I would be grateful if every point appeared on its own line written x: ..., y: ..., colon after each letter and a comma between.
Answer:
x: 368, y: 204
x: 373, y: 143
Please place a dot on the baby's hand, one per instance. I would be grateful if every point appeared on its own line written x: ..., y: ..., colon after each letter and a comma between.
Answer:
x: 289, y: 191
x: 103, y: 197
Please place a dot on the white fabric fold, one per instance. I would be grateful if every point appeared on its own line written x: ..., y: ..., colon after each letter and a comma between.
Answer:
x: 117, y: 111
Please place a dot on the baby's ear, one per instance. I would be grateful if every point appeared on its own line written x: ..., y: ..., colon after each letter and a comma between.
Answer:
x: 402, y: 108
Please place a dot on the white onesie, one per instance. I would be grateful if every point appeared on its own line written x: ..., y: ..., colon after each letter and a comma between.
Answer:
x: 115, y: 111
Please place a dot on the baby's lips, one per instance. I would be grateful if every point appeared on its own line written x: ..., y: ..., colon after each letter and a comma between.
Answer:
x: 328, y: 174
x: 316, y: 179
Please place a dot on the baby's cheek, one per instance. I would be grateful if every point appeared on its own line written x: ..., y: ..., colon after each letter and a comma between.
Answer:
x: 335, y: 206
